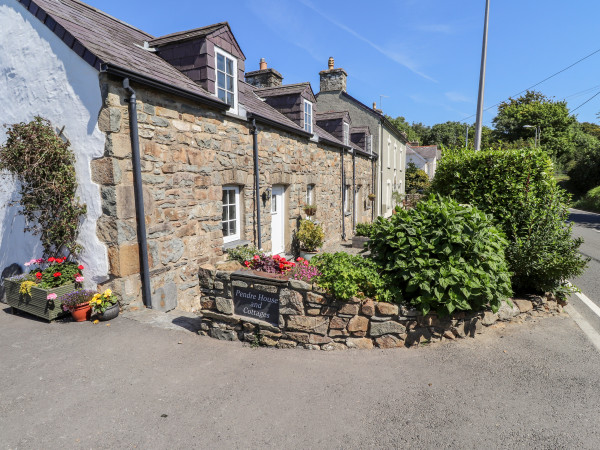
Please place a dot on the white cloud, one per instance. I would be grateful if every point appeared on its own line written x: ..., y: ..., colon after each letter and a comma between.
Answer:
x: 395, y: 56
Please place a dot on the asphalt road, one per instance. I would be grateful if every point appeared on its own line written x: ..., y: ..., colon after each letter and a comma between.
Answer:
x: 130, y: 385
x: 587, y: 226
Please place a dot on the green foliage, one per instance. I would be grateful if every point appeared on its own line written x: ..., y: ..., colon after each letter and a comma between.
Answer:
x: 44, y: 166
x: 345, y: 276
x: 591, y: 201
x: 364, y: 229
x: 584, y: 168
x: 518, y: 188
x: 241, y: 254
x: 442, y: 256
x: 416, y: 179
x: 310, y: 235
x: 533, y: 108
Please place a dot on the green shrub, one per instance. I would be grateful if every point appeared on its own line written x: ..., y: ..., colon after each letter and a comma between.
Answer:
x: 345, y: 276
x: 242, y: 254
x: 363, y: 229
x: 442, y: 256
x: 590, y: 202
x: 310, y: 235
x: 416, y: 179
x: 518, y: 188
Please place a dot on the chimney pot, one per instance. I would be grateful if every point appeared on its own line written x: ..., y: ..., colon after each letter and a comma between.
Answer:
x: 330, y: 63
x: 263, y: 64
x: 374, y: 105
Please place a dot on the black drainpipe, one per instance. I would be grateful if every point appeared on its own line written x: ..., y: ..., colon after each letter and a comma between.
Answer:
x: 138, y: 195
x: 373, y: 188
x: 254, y: 132
x: 343, y: 197
x: 353, y: 192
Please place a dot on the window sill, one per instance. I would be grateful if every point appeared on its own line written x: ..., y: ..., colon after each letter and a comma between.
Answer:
x: 236, y: 243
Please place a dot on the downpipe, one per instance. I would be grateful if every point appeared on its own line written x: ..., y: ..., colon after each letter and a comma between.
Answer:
x: 343, y: 197
x: 254, y: 133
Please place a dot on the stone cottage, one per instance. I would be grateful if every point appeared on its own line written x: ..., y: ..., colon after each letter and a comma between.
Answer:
x: 378, y: 132
x: 180, y: 153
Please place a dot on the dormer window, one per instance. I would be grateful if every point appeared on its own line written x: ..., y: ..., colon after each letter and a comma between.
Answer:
x: 346, y: 134
x: 369, y: 144
x: 226, y: 82
x: 308, y: 114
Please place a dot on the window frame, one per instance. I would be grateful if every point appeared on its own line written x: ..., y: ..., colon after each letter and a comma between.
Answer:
x: 238, y: 222
x: 347, y: 194
x: 310, y: 194
x: 308, y: 116
x: 389, y: 151
x: 227, y: 55
x: 369, y: 144
x: 346, y: 133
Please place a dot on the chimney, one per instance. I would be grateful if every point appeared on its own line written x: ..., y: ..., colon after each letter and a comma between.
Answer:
x: 264, y: 77
x: 375, y: 108
x: 332, y: 79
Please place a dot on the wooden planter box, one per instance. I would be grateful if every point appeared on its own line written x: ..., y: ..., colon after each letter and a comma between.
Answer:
x: 37, y: 304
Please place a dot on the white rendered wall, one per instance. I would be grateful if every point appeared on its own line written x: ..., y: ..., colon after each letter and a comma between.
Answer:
x: 41, y: 76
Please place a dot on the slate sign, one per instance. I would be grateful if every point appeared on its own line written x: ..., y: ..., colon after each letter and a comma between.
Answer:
x: 260, y: 305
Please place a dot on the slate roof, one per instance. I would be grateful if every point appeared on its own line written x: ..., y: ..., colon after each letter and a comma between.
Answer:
x: 428, y: 151
x: 188, y: 34
x: 101, y: 39
x: 332, y: 115
x: 286, y: 89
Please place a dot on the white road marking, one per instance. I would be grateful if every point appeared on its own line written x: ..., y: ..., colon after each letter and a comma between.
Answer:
x: 584, y: 325
x: 584, y: 298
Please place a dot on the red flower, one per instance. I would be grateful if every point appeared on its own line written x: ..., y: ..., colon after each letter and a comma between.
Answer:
x: 276, y: 257
x: 246, y: 263
x: 38, y: 275
x: 299, y: 259
x: 80, y: 267
x: 76, y: 275
x: 57, y: 274
x: 281, y: 266
x: 51, y: 259
x: 256, y: 257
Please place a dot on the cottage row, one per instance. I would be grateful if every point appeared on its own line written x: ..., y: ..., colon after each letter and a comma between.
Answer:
x: 181, y: 153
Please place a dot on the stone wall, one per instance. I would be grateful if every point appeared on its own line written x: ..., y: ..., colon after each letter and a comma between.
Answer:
x: 188, y: 153
x: 308, y: 318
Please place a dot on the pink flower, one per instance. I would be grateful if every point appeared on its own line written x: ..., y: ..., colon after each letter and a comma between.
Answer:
x: 26, y: 264
x: 79, y: 279
x: 51, y: 296
x: 256, y: 257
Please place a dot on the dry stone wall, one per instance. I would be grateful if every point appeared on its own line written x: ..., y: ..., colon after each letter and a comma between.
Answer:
x: 311, y: 319
x: 188, y: 153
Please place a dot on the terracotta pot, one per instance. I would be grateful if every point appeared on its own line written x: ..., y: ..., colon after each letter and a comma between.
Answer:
x: 82, y: 312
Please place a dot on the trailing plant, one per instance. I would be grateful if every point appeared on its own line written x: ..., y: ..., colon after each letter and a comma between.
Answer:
x: 242, y: 254
x: 73, y: 299
x: 345, y: 276
x: 44, y: 166
x: 364, y: 229
x: 518, y: 188
x: 310, y: 235
x: 442, y: 256
x: 309, y: 210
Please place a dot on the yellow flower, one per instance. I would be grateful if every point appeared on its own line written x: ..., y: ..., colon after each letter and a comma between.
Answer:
x: 95, y: 321
x: 98, y: 302
x: 107, y: 293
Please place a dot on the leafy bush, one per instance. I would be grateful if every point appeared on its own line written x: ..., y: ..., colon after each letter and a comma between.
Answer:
x: 44, y: 166
x: 363, y: 229
x: 242, y: 254
x: 442, y: 256
x: 417, y: 180
x: 518, y: 188
x: 590, y: 202
x: 345, y: 276
x: 310, y: 235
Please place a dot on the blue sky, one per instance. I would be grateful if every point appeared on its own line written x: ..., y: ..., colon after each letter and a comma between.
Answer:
x: 423, y: 55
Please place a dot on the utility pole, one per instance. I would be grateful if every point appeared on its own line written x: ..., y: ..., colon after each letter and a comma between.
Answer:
x: 467, y: 138
x: 482, y: 78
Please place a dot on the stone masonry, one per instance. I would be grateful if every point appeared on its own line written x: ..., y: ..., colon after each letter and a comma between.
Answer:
x: 188, y: 153
x: 311, y: 319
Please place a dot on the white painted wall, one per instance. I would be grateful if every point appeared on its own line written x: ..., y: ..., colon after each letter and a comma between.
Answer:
x: 40, y: 75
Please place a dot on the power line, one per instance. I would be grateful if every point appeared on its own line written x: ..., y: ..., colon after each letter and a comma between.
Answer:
x: 540, y: 82
x: 573, y: 110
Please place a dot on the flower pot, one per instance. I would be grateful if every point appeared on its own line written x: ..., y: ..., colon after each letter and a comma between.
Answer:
x: 37, y: 303
x: 307, y: 255
x: 110, y: 313
x: 82, y: 312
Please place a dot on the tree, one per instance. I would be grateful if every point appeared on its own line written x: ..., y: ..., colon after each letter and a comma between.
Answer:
x: 535, y: 109
x: 417, y: 180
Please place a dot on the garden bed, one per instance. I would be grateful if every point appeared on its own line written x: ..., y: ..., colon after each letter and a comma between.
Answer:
x: 286, y: 313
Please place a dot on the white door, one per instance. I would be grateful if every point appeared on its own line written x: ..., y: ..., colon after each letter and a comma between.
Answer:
x: 277, y: 220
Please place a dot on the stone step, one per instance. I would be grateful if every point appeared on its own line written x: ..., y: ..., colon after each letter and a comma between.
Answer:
x: 172, y: 320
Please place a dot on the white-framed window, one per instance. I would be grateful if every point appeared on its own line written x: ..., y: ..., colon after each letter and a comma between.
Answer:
x: 369, y: 144
x: 310, y: 194
x: 388, y: 193
x: 226, y: 78
x: 348, y: 199
x: 231, y: 213
x: 346, y: 134
x: 389, y: 151
x: 308, y: 114
x: 395, y: 154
